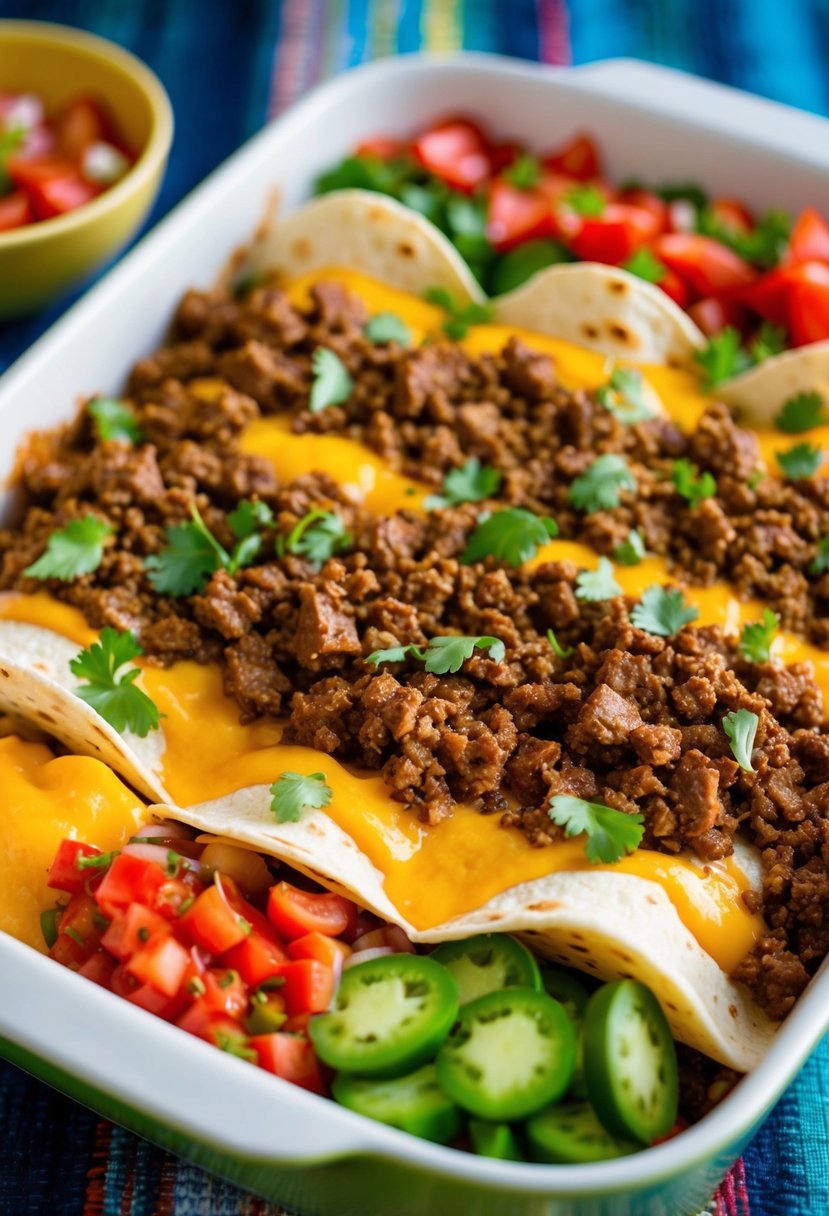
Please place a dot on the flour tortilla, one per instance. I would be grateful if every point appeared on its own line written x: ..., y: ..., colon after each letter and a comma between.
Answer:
x: 756, y: 396
x: 369, y: 233
x: 613, y: 925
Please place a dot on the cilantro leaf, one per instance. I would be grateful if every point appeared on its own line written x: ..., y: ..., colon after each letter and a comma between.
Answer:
x: 459, y: 317
x: 331, y: 384
x: 293, y: 793
x: 387, y: 327
x: 72, y: 551
x: 585, y: 200
x: 741, y: 728
x: 367, y: 173
x: 512, y: 535
x: 662, y: 612
x: 441, y: 655
x: 763, y: 244
x: 561, y: 652
x: 598, y: 584
x: 692, y: 485
x: 114, y: 420
x: 600, y: 485
x: 820, y: 563
x: 800, y: 413
x: 249, y: 516
x: 801, y: 461
x: 624, y: 396
x: 756, y: 638
x: 524, y: 173
x: 769, y: 340
x: 632, y: 550
x: 472, y: 482
x: 722, y: 357
x: 610, y: 833
x: 317, y: 537
x: 645, y: 265
x: 188, y: 559
x: 521, y: 263
x: 115, y: 697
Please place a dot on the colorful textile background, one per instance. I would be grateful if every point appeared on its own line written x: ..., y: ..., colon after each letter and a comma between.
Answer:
x: 229, y: 65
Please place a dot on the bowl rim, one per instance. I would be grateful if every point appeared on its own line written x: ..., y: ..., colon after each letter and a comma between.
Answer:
x: 156, y: 147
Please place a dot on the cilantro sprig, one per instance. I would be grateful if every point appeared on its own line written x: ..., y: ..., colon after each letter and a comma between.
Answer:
x: 331, y: 384
x: 756, y: 637
x: 192, y: 553
x: 599, y: 584
x: 800, y: 413
x: 585, y: 200
x: 611, y: 834
x: 662, y: 612
x: 387, y: 327
x: 722, y: 357
x: 293, y: 793
x: 441, y: 655
x: 459, y: 317
x: 801, y: 461
x: 600, y: 486
x: 72, y: 551
x: 645, y: 265
x: 632, y: 550
x: 472, y: 482
x: 524, y: 173
x: 741, y: 727
x: 692, y: 485
x: 316, y: 537
x: 512, y: 535
x: 114, y: 419
x: 114, y: 696
x: 820, y: 562
x: 770, y: 340
x: 624, y: 396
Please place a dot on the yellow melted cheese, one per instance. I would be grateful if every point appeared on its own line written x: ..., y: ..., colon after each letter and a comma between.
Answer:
x: 46, y: 800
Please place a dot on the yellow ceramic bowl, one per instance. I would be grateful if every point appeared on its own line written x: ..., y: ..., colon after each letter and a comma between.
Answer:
x: 40, y: 261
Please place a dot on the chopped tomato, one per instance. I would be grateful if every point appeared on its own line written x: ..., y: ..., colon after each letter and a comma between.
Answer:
x: 78, y: 124
x: 291, y: 1058
x: 809, y: 241
x: 177, y: 893
x: 131, y: 930
x: 706, y: 265
x: 225, y: 992
x: 215, y: 1028
x: 128, y: 880
x: 71, y: 952
x: 309, y: 986
x: 15, y: 211
x: 383, y: 148
x: 82, y: 920
x: 161, y: 962
x: 501, y: 156
x: 457, y: 152
x: 294, y: 913
x: 648, y: 202
x: 675, y: 287
x: 613, y: 236
x: 98, y: 968
x: 213, y: 922
x: 53, y: 184
x: 731, y: 214
x: 64, y: 872
x: 297, y: 1024
x: 257, y: 958
x: 809, y: 310
x: 712, y: 314
x: 517, y: 215
x: 578, y: 159
x: 771, y: 295
x: 324, y: 949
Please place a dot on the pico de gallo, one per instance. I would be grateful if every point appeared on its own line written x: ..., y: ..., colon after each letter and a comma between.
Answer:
x: 511, y: 212
x: 53, y: 164
x: 304, y: 984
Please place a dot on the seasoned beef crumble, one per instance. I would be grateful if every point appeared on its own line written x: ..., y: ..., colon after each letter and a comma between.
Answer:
x: 629, y: 719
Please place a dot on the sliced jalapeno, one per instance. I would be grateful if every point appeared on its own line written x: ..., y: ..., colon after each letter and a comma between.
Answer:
x: 390, y: 1015
x: 630, y: 1061
x: 489, y: 962
x: 509, y: 1054
x: 494, y: 1140
x: 571, y: 993
x: 572, y: 1133
x: 414, y: 1103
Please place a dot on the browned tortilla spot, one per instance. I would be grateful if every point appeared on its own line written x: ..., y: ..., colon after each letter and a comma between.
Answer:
x: 546, y: 905
x: 406, y: 250
x: 617, y: 330
x: 732, y: 1009
x: 589, y: 331
x: 617, y: 287
x: 301, y: 249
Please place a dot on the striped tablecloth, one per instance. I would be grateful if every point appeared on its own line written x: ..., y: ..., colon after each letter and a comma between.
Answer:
x: 229, y: 67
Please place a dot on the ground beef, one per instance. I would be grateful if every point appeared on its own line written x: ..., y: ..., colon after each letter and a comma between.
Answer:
x: 623, y: 717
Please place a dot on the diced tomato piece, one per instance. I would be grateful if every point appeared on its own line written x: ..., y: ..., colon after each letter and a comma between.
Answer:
x: 162, y: 962
x: 613, y: 236
x: 213, y: 921
x: 78, y: 124
x: 707, y: 265
x: 70, y: 952
x: 64, y: 874
x: 770, y: 296
x: 294, y: 913
x: 648, y: 202
x: 98, y: 968
x: 175, y: 893
x: 15, y: 211
x: 52, y: 183
x: 809, y: 310
x: 675, y: 287
x: 291, y: 1058
x: 713, y: 315
x: 309, y: 986
x: 131, y: 930
x: 501, y: 156
x: 215, y: 1028
x: 82, y: 920
x: 298, y: 1024
x: 225, y: 992
x: 128, y: 880
x: 517, y: 215
x: 257, y: 958
x: 324, y: 949
x: 732, y: 214
x: 456, y: 151
x: 809, y: 241
x: 578, y: 159
x: 383, y: 148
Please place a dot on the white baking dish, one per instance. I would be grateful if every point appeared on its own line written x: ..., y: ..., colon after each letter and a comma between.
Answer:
x: 271, y: 1137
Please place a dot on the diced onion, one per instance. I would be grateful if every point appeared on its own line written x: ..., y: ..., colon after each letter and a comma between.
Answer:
x: 25, y: 111
x: 364, y: 956
x: 103, y: 164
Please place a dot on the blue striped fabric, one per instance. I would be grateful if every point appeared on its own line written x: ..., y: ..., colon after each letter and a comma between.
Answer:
x: 217, y: 61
